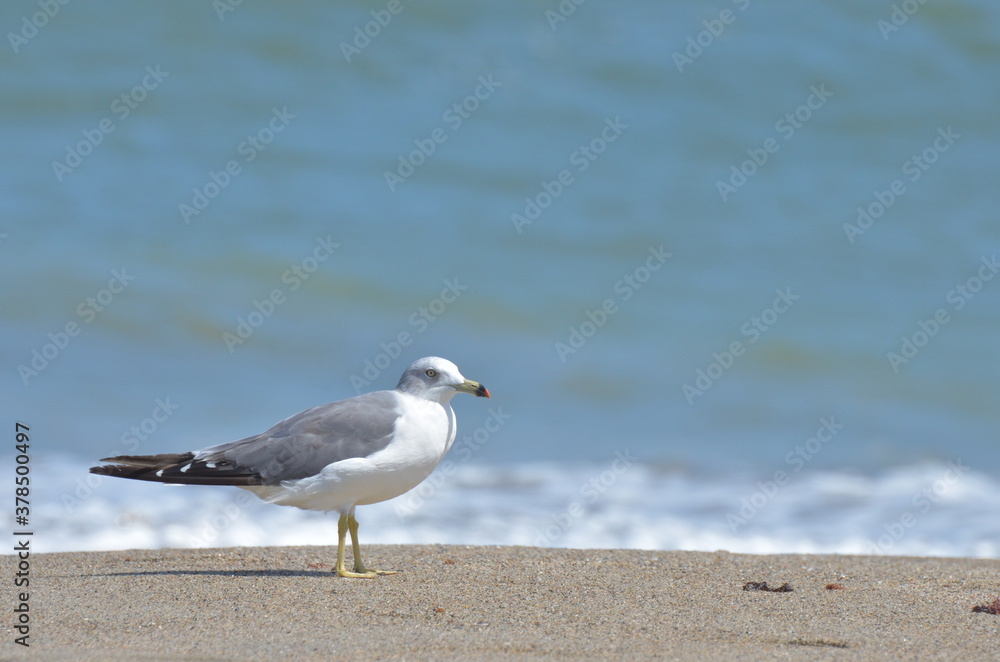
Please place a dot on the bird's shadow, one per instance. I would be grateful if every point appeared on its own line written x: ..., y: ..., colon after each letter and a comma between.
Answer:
x: 223, y: 573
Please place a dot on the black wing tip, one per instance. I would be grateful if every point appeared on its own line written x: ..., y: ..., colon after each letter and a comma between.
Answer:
x: 123, y: 471
x: 177, y: 468
x: 141, y: 467
x: 153, y: 461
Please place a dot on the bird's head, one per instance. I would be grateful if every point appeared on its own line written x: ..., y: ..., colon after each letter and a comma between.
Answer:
x: 434, y: 378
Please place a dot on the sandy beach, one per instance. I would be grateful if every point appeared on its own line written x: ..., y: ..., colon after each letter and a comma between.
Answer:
x: 504, y: 602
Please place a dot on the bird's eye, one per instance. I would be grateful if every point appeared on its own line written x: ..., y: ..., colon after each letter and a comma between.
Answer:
x: 430, y: 372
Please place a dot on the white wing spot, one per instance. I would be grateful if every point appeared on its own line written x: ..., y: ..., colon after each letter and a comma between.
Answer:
x: 186, y: 467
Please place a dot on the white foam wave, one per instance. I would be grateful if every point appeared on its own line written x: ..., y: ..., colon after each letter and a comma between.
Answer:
x: 923, y: 510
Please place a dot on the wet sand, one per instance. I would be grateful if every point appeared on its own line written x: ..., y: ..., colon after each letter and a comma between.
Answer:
x: 503, y: 602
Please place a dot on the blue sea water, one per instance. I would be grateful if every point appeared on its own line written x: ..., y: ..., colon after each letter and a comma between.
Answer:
x: 751, y: 247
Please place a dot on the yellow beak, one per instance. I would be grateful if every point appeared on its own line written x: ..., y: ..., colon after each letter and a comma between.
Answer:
x: 475, y: 388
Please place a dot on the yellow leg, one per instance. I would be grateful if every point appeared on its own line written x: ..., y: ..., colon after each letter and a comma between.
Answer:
x: 352, y: 524
x: 349, y: 523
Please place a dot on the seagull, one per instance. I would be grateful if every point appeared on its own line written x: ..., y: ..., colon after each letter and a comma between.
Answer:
x: 334, y: 457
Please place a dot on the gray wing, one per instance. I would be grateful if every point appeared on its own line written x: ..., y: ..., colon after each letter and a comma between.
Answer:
x: 297, y: 447
x: 305, y: 443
